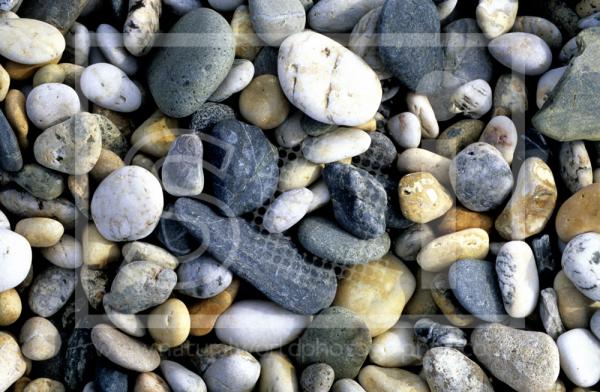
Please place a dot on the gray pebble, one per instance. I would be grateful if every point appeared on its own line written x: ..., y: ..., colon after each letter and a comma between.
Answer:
x: 447, y: 370
x: 209, y: 115
x: 182, y: 173
x: 138, y: 250
x: 202, y: 277
x: 549, y: 313
x: 434, y: 334
x: 42, y: 183
x: 275, y: 20
x: 51, y: 289
x: 94, y: 283
x: 408, y: 243
x: 317, y: 377
x: 24, y: 204
x: 10, y: 153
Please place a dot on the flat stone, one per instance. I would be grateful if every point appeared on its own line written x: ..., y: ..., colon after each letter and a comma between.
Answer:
x: 227, y: 368
x: 541, y: 27
x: 447, y: 368
x: 10, y: 154
x: 24, y: 204
x: 180, y: 378
x: 30, y: 41
x: 579, y: 351
x: 439, y: 254
x: 336, y: 145
x: 317, y: 377
x: 277, y: 373
x: 287, y: 210
x: 575, y: 165
x: 202, y: 277
x: 123, y: 350
x: 109, y: 87
x: 129, y: 323
x: 549, y: 313
x: 66, y: 253
x: 414, y: 160
x: 275, y: 20
x: 182, y: 168
x: 579, y: 214
x: 581, y: 263
x: 432, y: 334
x: 374, y: 378
x: 50, y: 290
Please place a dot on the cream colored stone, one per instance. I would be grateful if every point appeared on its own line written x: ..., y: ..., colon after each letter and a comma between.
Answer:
x: 150, y: 382
x: 263, y: 104
x: 405, y: 129
x: 277, y: 373
x: 39, y: 339
x: 12, y: 362
x: 155, y: 135
x: 51, y: 73
x: 336, y: 145
x: 14, y: 108
x: 496, y: 17
x: 422, y: 197
x: 575, y: 308
x: 44, y: 385
x: 420, y: 160
x: 66, y: 253
x: 397, y: 347
x: 40, y: 232
x: 298, y: 173
x: 4, y: 83
x: 10, y: 307
x: 378, y: 379
x: 169, y: 324
x: 98, y: 252
x: 30, y: 41
x: 247, y: 43
x: 442, y: 252
x: 501, y: 133
x: 419, y: 105
x: 107, y: 163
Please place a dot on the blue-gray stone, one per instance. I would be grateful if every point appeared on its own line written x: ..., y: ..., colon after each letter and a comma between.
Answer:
x: 275, y: 20
x: 51, y: 290
x: 265, y: 62
x: 39, y: 181
x: 210, y: 114
x: 380, y: 155
x: 241, y: 167
x: 475, y: 285
x: 544, y: 256
x: 10, y: 154
x: 109, y: 379
x: 434, y: 334
x: 359, y: 200
x: 271, y: 263
x: 79, y: 359
x: 313, y: 127
x: 323, y: 238
x: 182, y: 173
x: 173, y: 235
x: 192, y: 62
x: 202, y: 277
x: 393, y: 216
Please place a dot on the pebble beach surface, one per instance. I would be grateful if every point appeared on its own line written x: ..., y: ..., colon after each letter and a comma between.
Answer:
x: 299, y: 195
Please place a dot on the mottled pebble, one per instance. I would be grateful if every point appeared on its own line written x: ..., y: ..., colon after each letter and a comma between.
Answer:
x: 50, y: 290
x: 518, y: 278
x: 202, y: 277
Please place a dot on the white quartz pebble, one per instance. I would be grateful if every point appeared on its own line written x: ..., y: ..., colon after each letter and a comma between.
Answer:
x: 405, y: 129
x: 518, y: 278
x: 419, y: 105
x: 110, y: 42
x: 336, y: 145
x: 397, y: 347
x: 240, y: 75
x: 580, y: 356
x: 524, y: 53
x: 287, y: 210
x: 109, y: 87
x: 30, y: 41
x: 51, y: 103
x: 15, y: 259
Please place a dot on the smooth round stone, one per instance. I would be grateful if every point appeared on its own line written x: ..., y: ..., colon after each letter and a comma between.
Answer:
x: 225, y: 5
x: 422, y: 197
x: 480, y: 177
x: 363, y: 40
x: 202, y: 277
x: 150, y: 382
x: 408, y: 244
x: 263, y: 104
x: 72, y: 147
x: 459, y: 218
x: 170, y: 80
x: 277, y: 373
x: 575, y: 165
x: 420, y: 106
x: 275, y: 20
x: 447, y: 369
x: 15, y: 259
x: 109, y: 87
x: 140, y: 285
x: 378, y: 379
x: 442, y: 252
x: 44, y: 384
x: 141, y: 26
x: 338, y: 16
x: 127, y: 204
x: 546, y: 84
x: 110, y: 42
x: 247, y: 43
x: 496, y: 17
x: 290, y: 134
x: 377, y: 292
x: 131, y: 324
x: 137, y: 250
x: 256, y: 325
x: 421, y: 160
x: 473, y: 99
x: 204, y: 314
x: 524, y: 360
x: 181, y: 379
x: 40, y: 232
x: 325, y: 239
x: 51, y: 73
x: 39, y: 339
x: 10, y: 307
x: 332, y: 329
x: 524, y: 53
x: 575, y: 308
x: 518, y: 278
x: 240, y: 75
x: 396, y: 347
x: 169, y: 324
x: 578, y: 213
x: 550, y: 314
x: 298, y: 174
x: 51, y: 290
x: 541, y: 27
x: 225, y: 368
x: 579, y: 354
x: 13, y: 364
x: 51, y: 103
x: 287, y: 210
x: 317, y: 377
x: 94, y: 284
x: 182, y: 173
x: 335, y: 146
x: 123, y: 350
x: 327, y: 81
x: 475, y: 285
x: 405, y: 129
x: 347, y: 385
x: 501, y: 133
x: 581, y: 264
x: 66, y: 253
x: 30, y: 41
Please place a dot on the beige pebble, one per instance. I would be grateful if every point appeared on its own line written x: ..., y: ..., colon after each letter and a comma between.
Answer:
x: 22, y: 72
x: 247, y: 43
x: 72, y: 73
x: 501, y: 133
x: 169, y: 324
x: 458, y: 136
x: 14, y: 108
x: 422, y: 197
x: 39, y: 339
x: 40, y: 232
x: 150, y: 382
x: 44, y: 385
x: 419, y: 105
x: 20, y: 384
x: 405, y: 129
x: 79, y: 186
x: 473, y: 99
x: 4, y: 83
x: 421, y: 303
x: 66, y: 253
x: 298, y: 173
x: 277, y: 373
x: 107, y: 163
x: 575, y: 308
x: 10, y: 307
x: 263, y: 104
x: 12, y: 361
x: 51, y: 73
x: 98, y: 252
x: 155, y: 135
x: 587, y: 7
x: 420, y: 160
x: 378, y: 379
x: 442, y: 252
x: 459, y: 218
x: 496, y: 17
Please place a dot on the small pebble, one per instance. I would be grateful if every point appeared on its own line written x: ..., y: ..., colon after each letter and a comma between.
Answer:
x: 549, y: 313
x: 109, y: 87
x: 575, y: 308
x: 275, y: 20
x: 205, y: 313
x: 240, y: 75
x: 447, y: 369
x: 473, y: 99
x: 202, y: 277
x: 546, y: 85
x: 277, y: 373
x: 422, y: 197
x: 141, y: 25
x: 409, y: 243
x: 579, y: 355
x: 335, y: 146
x: 443, y: 251
x: 496, y: 17
x: 347, y: 385
x: 66, y: 253
x: 405, y: 129
x: 263, y: 104
x: 182, y: 173
x: 39, y: 339
x: 169, y: 324
x: 397, y: 347
x: 30, y: 41
x: 501, y: 133
x: 317, y: 377
x: 533, y: 56
x: 419, y: 105
x: 247, y: 43
x: 15, y: 257
x: 150, y: 382
x: 581, y: 263
x: 10, y: 307
x: 541, y: 27
x: 40, y: 232
x: 573, y: 216
x: 51, y: 103
x: 287, y: 210
x: 227, y: 368
x: 181, y: 379
x: 50, y: 290
x: 44, y: 384
x: 458, y: 136
x: 575, y: 165
x: 374, y: 378
x: 418, y: 159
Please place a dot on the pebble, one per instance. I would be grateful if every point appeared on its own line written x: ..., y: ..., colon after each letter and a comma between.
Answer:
x: 397, y: 347
x: 131, y: 324
x: 98, y: 252
x: 501, y: 133
x: 24, y: 204
x: 277, y: 373
x: 579, y: 355
x: 447, y: 369
x: 51, y: 73
x: 363, y: 40
x: 127, y: 204
x: 109, y: 379
x: 156, y: 135
x: 420, y: 106
x: 473, y: 99
x: 405, y: 129
x: 225, y: 5
x: 317, y: 377
x: 109, y: 87
x: 240, y: 76
x: 80, y: 354
x: 51, y: 103
x: 15, y: 110
x: 518, y: 278
x: 78, y: 43
x: 575, y: 308
x: 377, y: 379
x: 61, y: 14
x: 347, y: 385
x: 169, y: 324
x: 592, y: 20
x: 330, y: 84
x: 150, y: 382
x: 15, y: 259
x: 414, y: 160
x: 263, y: 104
x: 459, y: 218
x: 210, y: 60
x: 66, y: 253
x: 50, y: 290
x: 275, y: 20
x: 422, y: 197
x: 12, y: 363
x: 123, y: 350
x: 586, y: 7
x: 202, y: 277
x: 466, y: 55
x: 475, y: 285
x: 30, y: 41
x: 226, y: 368
x: 110, y: 43
x: 432, y: 334
x: 510, y: 96
x: 140, y: 285
x: 141, y: 26
x: 496, y: 17
x: 442, y: 252
x: 445, y: 300
x: 335, y: 16
x: 298, y: 174
x: 337, y: 337
x: 581, y: 263
x: 568, y: 51
x: 44, y: 384
x: 107, y: 163
x: 182, y: 173
x: 381, y: 153
x: 325, y: 239
x: 94, y: 284
x: 4, y: 83
x: 321, y: 195
x: 181, y: 379
x: 247, y: 43
x: 249, y: 258
x: 524, y: 360
x: 173, y: 235
x: 287, y: 210
x: 458, y: 136
x: 205, y: 313
x: 40, y: 232
x: 575, y: 165
x: 595, y: 324
x: 336, y: 146
x: 541, y: 27
x: 546, y: 84
x: 549, y: 313
x: 10, y: 307
x: 137, y: 250
x: 408, y: 244
x: 534, y: 57
x: 574, y: 215
x: 39, y: 339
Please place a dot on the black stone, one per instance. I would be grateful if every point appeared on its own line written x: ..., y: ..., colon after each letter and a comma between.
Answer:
x: 10, y: 154
x: 265, y: 62
x: 434, y: 334
x: 109, y: 379
x: 531, y: 143
x: 59, y: 13
x: 173, y: 235
x: 380, y: 155
x: 544, y: 257
x: 313, y: 127
x: 79, y: 358
x: 208, y: 115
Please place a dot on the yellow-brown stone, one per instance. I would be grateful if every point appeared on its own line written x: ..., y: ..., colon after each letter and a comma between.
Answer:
x: 459, y: 218
x: 204, y: 314
x: 247, y: 43
x: 4, y: 83
x: 98, y: 252
x: 14, y: 108
x: 107, y: 163
x: 580, y: 213
x: 575, y: 308
x: 263, y: 103
x: 378, y: 379
x: 10, y: 307
x: 422, y: 197
x: 24, y: 71
x: 155, y: 135
x: 440, y: 253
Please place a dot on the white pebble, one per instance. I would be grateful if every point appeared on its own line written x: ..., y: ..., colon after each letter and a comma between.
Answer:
x: 51, y: 103
x: 419, y: 105
x: 240, y: 75
x: 546, y: 84
x: 287, y: 210
x: 321, y: 195
x: 501, y: 133
x: 110, y: 42
x: 78, y: 42
x: 109, y: 87
x: 15, y: 259
x: 496, y: 17
x: 581, y: 264
x: 524, y: 53
x: 181, y: 379
x: 580, y: 356
x: 30, y: 41
x: 473, y: 99
x: 405, y: 129
x: 397, y: 347
x: 336, y: 145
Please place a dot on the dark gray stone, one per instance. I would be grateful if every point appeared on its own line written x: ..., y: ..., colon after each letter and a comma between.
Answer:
x: 109, y: 379
x: 265, y: 62
x: 202, y: 277
x: 51, y: 290
x: 313, y: 127
x: 475, y: 286
x: 42, y: 183
x: 59, y: 13
x: 409, y: 45
x: 338, y: 338
x: 10, y: 154
x: 271, y: 263
x: 184, y: 74
x: 182, y: 173
x: 544, y: 257
x: 380, y: 155
x: 393, y: 215
x: 79, y: 359
x: 210, y: 114
x: 318, y: 377
x: 480, y: 177
x: 434, y: 334
x: 359, y: 200
x: 242, y: 166
x: 323, y: 238
x: 112, y: 138
x: 174, y: 235
x: 531, y: 143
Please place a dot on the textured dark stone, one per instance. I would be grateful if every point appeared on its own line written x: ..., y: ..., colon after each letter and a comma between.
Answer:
x: 317, y: 377
x: 79, y: 359
x: 544, y: 257
x: 323, y: 238
x: 531, y: 143
x: 109, y: 379
x: 393, y: 215
x: 210, y: 114
x: 173, y: 235
x: 410, y: 44
x: 271, y: 263
x: 435, y: 334
x: 480, y: 177
x: 244, y: 166
x: 59, y: 13
x: 265, y: 62
x: 182, y: 173
x: 42, y: 183
x: 359, y: 200
x: 313, y: 127
x: 182, y: 78
x: 475, y: 286
x: 51, y: 289
x: 572, y: 112
x: 112, y: 138
x: 338, y: 338
x: 10, y: 154
x: 381, y: 153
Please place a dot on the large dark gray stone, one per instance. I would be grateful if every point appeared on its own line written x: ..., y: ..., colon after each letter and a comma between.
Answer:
x: 59, y: 13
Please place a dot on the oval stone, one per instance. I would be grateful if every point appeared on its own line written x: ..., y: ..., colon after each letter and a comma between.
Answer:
x: 181, y: 379
x: 202, y: 277
x: 339, y: 16
x: 580, y: 213
x: 227, y: 368
x: 287, y: 210
x: 518, y: 278
x: 51, y: 103
x: 447, y: 369
x: 182, y: 173
x: 109, y: 87
x: 579, y: 355
x: 124, y: 350
x: 13, y: 364
x: 275, y: 20
x: 30, y: 41
x: 524, y: 53
x: 335, y: 146
x: 15, y: 259
x: 51, y: 290
x: 581, y: 264
x: 439, y: 254
x: 277, y: 373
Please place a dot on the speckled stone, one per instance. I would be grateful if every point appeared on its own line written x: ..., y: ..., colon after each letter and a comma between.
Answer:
x: 575, y: 165
x: 422, y: 198
x: 202, y: 277
x: 581, y: 264
x: 510, y: 96
x: 408, y: 244
x: 381, y: 153
x: 39, y: 181
x: 182, y: 173
x: 109, y: 87
x: 10, y: 154
x: 94, y: 283
x: 80, y: 356
x: 433, y: 334
x: 24, y: 204
x: 447, y: 369
x: 51, y: 290
x: 61, y: 13
x: 317, y: 377
x: 109, y: 379
x: 549, y: 313
x: 208, y: 115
